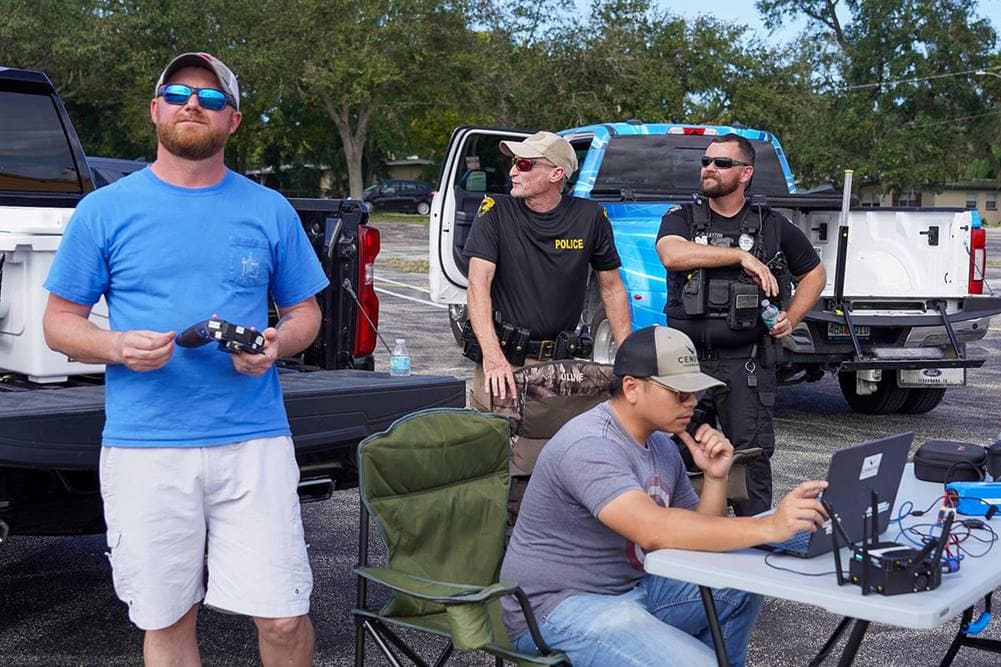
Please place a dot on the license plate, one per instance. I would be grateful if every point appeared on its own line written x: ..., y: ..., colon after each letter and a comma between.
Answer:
x: 835, y: 330
x: 932, y: 377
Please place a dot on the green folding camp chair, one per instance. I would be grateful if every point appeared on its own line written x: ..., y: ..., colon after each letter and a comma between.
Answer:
x: 436, y: 483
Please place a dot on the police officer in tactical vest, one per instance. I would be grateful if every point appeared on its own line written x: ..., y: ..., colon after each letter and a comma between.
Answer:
x: 724, y: 254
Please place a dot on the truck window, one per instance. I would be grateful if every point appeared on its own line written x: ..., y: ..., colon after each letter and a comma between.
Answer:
x: 669, y: 164
x: 34, y: 152
x: 485, y: 168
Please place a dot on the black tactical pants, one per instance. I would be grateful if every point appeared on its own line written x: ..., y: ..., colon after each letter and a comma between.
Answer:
x: 744, y: 409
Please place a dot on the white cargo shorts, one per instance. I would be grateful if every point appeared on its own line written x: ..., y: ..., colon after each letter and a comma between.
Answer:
x: 161, y: 504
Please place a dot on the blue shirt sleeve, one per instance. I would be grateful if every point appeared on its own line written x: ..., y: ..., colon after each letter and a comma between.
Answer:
x: 80, y: 270
x: 299, y: 274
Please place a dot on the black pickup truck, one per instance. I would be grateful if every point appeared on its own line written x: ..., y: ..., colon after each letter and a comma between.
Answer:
x: 52, y: 408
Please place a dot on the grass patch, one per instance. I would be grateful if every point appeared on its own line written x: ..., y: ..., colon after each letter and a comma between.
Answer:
x: 406, y: 265
x: 381, y: 218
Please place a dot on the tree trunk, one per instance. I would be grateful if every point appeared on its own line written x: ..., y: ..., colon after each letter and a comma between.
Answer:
x: 353, y: 140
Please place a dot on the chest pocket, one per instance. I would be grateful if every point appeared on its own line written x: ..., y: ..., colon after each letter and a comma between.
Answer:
x: 248, y: 262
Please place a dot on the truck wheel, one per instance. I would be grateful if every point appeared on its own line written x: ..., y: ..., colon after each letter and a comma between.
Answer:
x: 887, y: 398
x: 423, y: 208
x: 456, y: 320
x: 922, y: 400
x: 601, y: 330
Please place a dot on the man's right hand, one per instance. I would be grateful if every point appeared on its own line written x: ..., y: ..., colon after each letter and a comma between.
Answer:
x: 142, y: 350
x: 760, y: 273
x: 498, y: 376
x: 799, y: 510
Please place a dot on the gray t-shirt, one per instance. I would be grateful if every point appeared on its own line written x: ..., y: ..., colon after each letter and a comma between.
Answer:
x: 559, y: 548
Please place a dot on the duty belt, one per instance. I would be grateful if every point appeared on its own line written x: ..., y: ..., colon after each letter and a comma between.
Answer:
x: 566, y: 345
x: 714, y: 353
x: 545, y: 350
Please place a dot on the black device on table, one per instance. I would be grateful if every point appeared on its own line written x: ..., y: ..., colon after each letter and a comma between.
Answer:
x: 232, y: 338
x: 890, y: 568
x: 854, y: 474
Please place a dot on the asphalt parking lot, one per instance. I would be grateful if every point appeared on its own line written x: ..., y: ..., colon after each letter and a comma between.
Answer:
x: 57, y: 606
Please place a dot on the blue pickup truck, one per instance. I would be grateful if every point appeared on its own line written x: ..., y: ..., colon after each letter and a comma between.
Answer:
x: 904, y: 292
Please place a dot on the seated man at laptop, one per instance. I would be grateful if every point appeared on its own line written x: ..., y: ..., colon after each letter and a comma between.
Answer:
x: 611, y: 486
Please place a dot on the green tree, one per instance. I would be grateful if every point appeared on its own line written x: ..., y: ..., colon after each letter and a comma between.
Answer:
x: 902, y: 104
x: 359, y: 59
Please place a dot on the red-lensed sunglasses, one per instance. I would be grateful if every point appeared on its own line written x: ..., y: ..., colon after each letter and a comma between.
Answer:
x: 526, y: 164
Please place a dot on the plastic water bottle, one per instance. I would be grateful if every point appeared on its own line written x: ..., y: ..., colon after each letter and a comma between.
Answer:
x: 399, y: 362
x: 769, y: 313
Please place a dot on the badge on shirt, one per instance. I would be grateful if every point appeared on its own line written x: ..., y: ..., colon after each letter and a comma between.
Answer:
x: 485, y: 205
x: 722, y: 242
x: 745, y: 242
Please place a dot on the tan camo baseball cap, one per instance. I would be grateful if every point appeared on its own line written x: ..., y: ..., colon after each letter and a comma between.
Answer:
x: 546, y: 145
x: 227, y: 80
x: 665, y: 355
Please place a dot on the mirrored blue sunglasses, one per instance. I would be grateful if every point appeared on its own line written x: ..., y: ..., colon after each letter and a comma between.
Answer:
x: 208, y: 98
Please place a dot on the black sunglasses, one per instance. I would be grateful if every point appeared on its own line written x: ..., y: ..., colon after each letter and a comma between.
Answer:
x: 683, y: 396
x: 723, y: 162
x: 208, y: 98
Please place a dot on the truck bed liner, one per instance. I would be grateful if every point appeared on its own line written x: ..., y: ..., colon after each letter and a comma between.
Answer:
x: 61, y: 429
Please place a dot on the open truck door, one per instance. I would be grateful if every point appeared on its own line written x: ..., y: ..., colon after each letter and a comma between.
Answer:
x: 473, y: 167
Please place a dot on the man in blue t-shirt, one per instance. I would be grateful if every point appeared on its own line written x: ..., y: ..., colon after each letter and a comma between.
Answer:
x: 611, y: 486
x: 197, y: 453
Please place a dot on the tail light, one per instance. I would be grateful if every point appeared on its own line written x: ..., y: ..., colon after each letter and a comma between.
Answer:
x: 978, y: 259
x: 365, y: 333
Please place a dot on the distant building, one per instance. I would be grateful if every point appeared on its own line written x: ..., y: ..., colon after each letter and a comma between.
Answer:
x: 412, y: 168
x: 981, y: 194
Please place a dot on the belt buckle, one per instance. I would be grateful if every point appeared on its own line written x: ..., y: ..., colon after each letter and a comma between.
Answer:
x: 546, y: 350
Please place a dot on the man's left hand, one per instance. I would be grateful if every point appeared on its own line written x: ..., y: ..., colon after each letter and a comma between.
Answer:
x: 258, y: 364
x: 783, y: 326
x: 711, y: 451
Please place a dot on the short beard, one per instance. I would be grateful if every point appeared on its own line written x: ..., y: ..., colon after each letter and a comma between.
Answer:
x: 717, y: 190
x: 191, y: 145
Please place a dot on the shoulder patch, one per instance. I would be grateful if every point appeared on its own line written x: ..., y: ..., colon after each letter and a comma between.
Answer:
x: 485, y: 206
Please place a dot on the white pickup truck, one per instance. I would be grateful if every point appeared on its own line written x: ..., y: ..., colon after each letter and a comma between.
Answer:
x: 905, y: 285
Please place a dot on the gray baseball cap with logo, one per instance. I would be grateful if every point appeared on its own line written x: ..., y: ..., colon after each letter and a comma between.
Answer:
x: 665, y: 355
x: 227, y: 80
x: 546, y: 145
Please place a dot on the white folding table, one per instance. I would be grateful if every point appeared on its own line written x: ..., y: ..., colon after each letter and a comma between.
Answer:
x: 746, y: 570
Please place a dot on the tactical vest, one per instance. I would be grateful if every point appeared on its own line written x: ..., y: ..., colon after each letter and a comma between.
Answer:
x: 728, y: 292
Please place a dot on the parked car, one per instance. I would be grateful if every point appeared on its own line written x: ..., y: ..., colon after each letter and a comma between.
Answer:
x: 400, y: 195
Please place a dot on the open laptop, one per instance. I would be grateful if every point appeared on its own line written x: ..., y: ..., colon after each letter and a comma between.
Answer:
x: 855, y: 472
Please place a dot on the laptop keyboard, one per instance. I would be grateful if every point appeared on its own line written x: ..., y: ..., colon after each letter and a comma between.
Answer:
x: 798, y: 542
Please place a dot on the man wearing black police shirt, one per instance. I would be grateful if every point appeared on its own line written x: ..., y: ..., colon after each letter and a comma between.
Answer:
x: 530, y: 256
x: 723, y: 255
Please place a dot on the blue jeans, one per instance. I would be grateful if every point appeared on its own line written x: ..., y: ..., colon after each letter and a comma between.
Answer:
x: 660, y: 622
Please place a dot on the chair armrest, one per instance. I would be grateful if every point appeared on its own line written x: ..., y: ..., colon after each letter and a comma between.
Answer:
x: 442, y: 592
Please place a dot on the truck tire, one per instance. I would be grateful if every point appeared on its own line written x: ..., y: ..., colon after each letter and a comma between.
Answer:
x: 423, y: 208
x: 456, y: 320
x: 922, y: 400
x: 887, y: 398
x: 601, y: 330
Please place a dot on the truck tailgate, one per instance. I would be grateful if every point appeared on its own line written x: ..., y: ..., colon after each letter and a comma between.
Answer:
x: 895, y: 253
x: 327, y: 410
